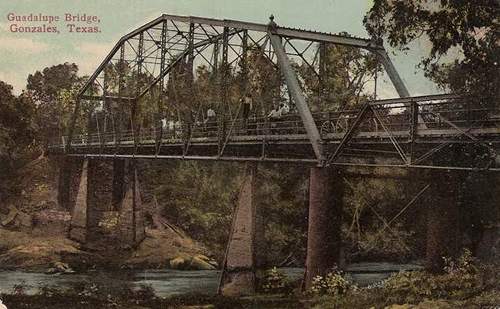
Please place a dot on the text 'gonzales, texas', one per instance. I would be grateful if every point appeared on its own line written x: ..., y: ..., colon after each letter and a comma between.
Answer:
x: 53, y: 24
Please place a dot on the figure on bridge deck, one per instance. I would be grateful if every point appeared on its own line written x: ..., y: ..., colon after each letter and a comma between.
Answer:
x: 274, y: 117
x: 163, y: 123
x: 210, y: 122
x: 284, y: 109
x: 210, y: 115
x: 247, y: 108
x: 272, y: 26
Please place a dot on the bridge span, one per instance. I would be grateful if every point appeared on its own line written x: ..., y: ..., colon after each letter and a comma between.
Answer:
x: 176, y: 68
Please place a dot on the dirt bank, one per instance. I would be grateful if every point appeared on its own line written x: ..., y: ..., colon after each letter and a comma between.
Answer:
x: 34, y: 229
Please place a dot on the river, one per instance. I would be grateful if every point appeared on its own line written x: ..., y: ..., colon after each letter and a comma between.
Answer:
x: 173, y: 282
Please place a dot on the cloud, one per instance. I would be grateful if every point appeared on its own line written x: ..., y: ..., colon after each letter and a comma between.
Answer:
x: 88, y: 55
x: 94, y: 48
x: 14, y: 79
x: 22, y: 45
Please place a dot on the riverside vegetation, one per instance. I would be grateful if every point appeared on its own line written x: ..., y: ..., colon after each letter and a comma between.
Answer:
x: 198, y: 198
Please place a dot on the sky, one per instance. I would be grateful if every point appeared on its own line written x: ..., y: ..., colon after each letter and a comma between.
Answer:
x: 24, y: 53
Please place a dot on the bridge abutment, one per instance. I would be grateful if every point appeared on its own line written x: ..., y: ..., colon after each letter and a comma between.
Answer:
x: 239, y: 269
x: 325, y: 218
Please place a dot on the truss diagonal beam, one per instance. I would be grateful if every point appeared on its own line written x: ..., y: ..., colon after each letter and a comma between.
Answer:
x: 349, y: 134
x: 179, y: 57
x: 298, y: 97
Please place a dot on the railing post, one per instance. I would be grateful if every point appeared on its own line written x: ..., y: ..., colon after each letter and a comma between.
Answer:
x: 413, y: 129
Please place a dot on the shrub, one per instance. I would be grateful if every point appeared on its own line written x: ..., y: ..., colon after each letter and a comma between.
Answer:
x: 333, y: 284
x: 462, y: 279
x: 274, y: 281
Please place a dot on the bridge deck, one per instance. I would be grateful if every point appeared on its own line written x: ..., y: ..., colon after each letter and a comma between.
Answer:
x: 389, y: 134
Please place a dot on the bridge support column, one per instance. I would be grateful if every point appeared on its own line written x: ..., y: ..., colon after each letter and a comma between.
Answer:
x: 238, y: 276
x: 443, y: 220
x: 68, y: 181
x: 131, y: 221
x: 325, y: 214
x: 79, y: 218
x: 118, y: 182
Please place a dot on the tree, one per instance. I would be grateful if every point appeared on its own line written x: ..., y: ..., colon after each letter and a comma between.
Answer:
x: 16, y: 134
x: 345, y: 74
x: 467, y: 27
x: 47, y: 88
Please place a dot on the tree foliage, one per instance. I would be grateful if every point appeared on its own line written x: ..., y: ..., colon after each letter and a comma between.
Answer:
x: 469, y: 28
x: 52, y: 90
x: 16, y: 135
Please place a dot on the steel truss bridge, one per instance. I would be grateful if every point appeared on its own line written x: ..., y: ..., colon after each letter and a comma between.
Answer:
x: 153, y: 68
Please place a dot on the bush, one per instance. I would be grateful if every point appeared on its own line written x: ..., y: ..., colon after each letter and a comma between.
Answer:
x: 274, y: 281
x: 462, y: 279
x: 333, y: 284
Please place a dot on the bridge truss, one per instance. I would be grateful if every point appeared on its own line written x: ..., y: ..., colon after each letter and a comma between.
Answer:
x: 152, y: 71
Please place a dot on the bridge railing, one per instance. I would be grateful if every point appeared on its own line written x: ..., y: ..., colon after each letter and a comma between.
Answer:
x: 394, y: 115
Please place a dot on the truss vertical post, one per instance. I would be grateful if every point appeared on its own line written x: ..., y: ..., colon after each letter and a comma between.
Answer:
x: 225, y: 69
x: 298, y: 97
x: 105, y: 102
x: 244, y: 58
x: 78, y: 103
x: 121, y: 81
x: 138, y: 76
x: 216, y: 57
x: 159, y: 114
x: 413, y: 129
x: 223, y: 88
x: 162, y: 64
x: 190, y: 81
x: 322, y: 69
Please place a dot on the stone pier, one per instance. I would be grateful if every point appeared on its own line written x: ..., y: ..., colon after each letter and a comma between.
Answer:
x: 104, y: 187
x: 79, y: 218
x: 131, y: 220
x: 239, y: 269
x: 325, y: 218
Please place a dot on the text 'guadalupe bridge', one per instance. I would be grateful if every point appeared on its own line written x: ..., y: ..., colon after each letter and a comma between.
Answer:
x: 150, y: 76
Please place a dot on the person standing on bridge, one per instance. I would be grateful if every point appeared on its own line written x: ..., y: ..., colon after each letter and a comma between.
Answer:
x: 247, y: 107
x: 210, y: 121
x: 210, y: 115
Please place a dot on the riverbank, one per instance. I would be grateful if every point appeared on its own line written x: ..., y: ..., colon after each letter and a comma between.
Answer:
x: 143, y: 300
x: 465, y: 283
x: 383, y: 296
x: 31, y: 251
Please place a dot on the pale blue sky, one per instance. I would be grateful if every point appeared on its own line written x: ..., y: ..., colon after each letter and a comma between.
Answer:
x: 24, y: 53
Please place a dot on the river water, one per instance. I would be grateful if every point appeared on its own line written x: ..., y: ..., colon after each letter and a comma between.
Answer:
x: 174, y: 282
